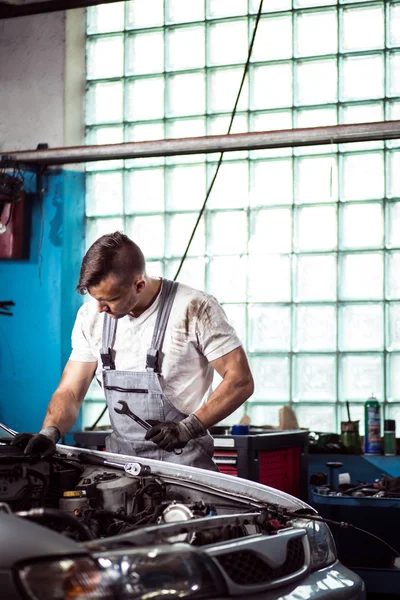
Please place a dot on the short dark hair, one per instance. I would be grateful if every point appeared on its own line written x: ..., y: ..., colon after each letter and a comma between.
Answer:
x: 112, y: 254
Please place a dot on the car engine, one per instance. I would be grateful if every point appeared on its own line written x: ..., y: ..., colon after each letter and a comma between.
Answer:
x: 87, y: 501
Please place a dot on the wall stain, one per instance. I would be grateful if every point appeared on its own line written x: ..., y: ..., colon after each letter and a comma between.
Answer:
x: 56, y: 223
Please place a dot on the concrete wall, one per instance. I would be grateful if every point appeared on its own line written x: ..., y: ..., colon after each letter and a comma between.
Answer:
x: 32, y: 81
x: 41, y: 98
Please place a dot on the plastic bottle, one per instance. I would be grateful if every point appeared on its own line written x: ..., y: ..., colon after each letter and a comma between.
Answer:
x: 372, y: 440
x: 389, y: 437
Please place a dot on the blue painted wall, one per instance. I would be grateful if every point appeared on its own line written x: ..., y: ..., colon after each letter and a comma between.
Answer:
x: 35, y: 341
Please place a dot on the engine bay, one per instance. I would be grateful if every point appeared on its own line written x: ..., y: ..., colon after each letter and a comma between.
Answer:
x: 86, y: 501
x: 115, y: 523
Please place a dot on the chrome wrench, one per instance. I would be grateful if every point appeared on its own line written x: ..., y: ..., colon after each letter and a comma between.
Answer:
x: 125, y: 410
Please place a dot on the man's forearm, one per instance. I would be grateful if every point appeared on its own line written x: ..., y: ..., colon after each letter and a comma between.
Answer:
x: 63, y: 411
x: 226, y: 398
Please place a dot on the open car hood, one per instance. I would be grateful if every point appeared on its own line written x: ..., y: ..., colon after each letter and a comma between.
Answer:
x: 233, y: 487
x: 116, y: 512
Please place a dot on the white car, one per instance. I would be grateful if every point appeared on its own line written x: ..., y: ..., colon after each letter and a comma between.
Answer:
x: 94, y: 525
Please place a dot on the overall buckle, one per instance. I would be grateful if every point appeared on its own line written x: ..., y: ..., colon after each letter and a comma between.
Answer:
x: 107, y: 360
x: 152, y: 360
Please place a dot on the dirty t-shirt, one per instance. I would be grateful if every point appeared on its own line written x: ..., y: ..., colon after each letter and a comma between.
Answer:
x: 197, y: 333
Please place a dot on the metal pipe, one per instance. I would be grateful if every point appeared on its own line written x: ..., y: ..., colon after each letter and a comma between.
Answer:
x: 338, y: 134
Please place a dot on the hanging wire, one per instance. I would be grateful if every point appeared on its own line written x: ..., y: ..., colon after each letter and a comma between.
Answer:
x: 345, y: 525
x: 245, y: 70
x: 316, y: 518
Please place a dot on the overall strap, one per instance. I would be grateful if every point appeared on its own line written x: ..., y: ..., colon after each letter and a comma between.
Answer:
x: 109, y: 327
x: 167, y: 298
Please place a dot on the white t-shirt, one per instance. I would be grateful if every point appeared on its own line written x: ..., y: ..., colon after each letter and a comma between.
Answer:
x: 197, y: 333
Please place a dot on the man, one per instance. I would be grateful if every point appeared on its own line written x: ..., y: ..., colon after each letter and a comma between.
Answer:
x: 153, y: 345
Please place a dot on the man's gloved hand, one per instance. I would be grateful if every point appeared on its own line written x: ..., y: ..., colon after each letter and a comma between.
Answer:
x: 42, y: 443
x: 170, y: 435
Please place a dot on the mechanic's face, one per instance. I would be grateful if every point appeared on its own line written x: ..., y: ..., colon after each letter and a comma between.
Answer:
x: 116, y: 300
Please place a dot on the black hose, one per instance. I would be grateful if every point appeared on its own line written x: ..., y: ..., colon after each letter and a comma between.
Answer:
x: 157, y: 513
x: 146, y: 518
x: 62, y: 517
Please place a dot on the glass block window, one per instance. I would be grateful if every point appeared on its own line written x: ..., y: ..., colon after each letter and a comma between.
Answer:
x: 301, y: 246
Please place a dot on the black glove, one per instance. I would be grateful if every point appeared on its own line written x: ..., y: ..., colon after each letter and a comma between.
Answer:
x: 42, y: 443
x: 170, y: 435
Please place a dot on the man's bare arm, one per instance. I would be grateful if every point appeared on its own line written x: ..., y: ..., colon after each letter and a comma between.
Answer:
x: 236, y: 386
x: 66, y: 401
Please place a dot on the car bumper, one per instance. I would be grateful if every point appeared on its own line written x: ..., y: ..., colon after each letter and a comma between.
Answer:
x: 336, y: 582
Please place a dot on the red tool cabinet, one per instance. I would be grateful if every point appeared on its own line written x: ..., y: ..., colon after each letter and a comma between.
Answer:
x: 276, y: 458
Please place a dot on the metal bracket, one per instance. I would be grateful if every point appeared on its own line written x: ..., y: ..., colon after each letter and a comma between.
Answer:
x: 5, y: 307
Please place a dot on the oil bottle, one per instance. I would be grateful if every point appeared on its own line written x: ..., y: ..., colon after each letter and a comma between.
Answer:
x: 372, y: 440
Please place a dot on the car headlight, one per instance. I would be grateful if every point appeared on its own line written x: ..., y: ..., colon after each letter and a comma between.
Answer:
x: 321, y: 542
x: 67, y: 578
x: 139, y: 573
x: 178, y: 571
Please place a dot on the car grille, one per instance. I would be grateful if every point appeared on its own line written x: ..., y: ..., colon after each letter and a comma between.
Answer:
x: 246, y: 567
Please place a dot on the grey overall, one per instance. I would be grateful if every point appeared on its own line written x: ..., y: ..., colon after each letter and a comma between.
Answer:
x: 143, y: 392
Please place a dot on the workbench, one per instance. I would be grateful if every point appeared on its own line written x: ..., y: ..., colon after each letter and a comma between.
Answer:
x: 364, y: 555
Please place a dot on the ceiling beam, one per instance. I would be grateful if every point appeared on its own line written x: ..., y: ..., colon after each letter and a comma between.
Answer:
x: 10, y: 11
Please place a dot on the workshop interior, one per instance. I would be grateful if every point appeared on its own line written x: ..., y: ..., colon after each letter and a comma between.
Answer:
x: 251, y: 148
